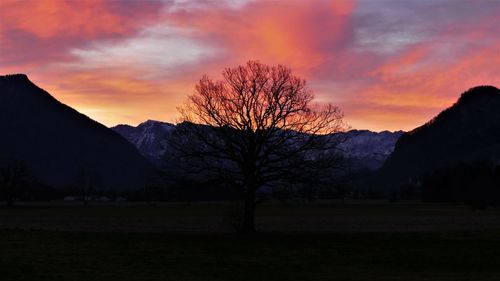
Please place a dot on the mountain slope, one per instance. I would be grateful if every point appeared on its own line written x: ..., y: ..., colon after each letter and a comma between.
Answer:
x: 58, y: 143
x: 466, y: 132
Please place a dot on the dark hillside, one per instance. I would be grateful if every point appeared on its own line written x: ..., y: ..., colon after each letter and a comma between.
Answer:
x: 58, y: 143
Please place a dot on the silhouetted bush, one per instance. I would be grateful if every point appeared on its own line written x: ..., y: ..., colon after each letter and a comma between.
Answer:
x: 476, y: 184
x: 16, y: 180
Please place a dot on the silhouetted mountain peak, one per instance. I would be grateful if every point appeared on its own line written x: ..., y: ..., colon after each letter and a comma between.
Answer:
x: 21, y: 89
x: 484, y: 92
x: 467, y: 131
x: 14, y: 77
x: 475, y: 105
x: 57, y: 142
x: 14, y: 80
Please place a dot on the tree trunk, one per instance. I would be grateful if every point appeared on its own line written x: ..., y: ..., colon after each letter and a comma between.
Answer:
x: 247, y: 225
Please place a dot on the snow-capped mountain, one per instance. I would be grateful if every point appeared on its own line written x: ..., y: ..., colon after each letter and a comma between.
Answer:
x: 149, y: 137
x: 364, y: 148
x: 369, y: 149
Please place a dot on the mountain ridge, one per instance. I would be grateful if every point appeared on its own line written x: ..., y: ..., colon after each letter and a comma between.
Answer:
x: 366, y: 149
x: 467, y: 131
x: 57, y: 142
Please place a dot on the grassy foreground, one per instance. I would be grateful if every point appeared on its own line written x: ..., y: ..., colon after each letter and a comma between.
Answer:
x: 192, y: 242
x: 44, y: 255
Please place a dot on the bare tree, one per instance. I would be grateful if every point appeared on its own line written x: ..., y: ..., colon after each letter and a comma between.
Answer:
x: 254, y: 128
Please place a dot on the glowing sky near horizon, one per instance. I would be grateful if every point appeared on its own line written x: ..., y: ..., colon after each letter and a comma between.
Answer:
x: 388, y: 64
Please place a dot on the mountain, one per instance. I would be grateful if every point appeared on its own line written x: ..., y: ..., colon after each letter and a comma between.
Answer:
x: 364, y: 148
x: 467, y: 132
x: 367, y: 149
x: 149, y: 137
x: 60, y: 144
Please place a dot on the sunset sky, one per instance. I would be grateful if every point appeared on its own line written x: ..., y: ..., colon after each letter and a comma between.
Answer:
x: 389, y: 65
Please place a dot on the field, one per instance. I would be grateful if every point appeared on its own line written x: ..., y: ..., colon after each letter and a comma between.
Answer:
x: 377, y: 241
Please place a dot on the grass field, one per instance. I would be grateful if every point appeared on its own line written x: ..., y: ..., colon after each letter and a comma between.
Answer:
x: 191, y: 242
x: 212, y: 218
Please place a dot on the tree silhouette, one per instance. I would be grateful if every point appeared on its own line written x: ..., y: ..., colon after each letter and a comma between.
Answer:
x: 254, y: 128
x: 87, y: 182
x: 15, y: 179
